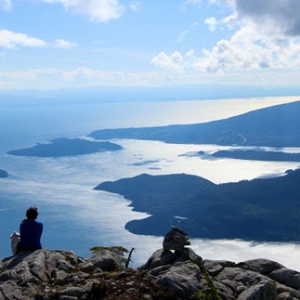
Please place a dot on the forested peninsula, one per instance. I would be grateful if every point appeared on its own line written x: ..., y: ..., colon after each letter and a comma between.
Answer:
x: 259, y: 210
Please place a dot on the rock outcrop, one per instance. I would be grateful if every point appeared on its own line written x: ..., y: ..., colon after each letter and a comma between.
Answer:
x: 53, y: 274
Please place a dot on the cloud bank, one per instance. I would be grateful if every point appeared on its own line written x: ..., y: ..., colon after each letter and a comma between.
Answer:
x: 264, y: 34
x: 282, y: 14
x: 260, y: 36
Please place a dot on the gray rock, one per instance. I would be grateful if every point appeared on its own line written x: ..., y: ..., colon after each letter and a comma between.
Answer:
x: 261, y: 291
x: 73, y: 291
x: 160, y: 257
x: 87, y: 266
x: 242, y: 283
x: 105, y: 260
x: 64, y: 297
x: 261, y: 265
x: 214, y: 267
x: 188, y: 254
x: 163, y: 257
x: 183, y: 278
x: 226, y: 288
x: 33, y: 273
x: 287, y: 277
x: 53, y: 274
x: 241, y: 276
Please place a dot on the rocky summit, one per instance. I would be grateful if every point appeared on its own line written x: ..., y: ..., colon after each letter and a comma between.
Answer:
x: 168, y: 274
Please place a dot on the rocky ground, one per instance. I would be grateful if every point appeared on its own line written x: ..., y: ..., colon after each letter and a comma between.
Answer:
x: 53, y: 274
x: 173, y: 272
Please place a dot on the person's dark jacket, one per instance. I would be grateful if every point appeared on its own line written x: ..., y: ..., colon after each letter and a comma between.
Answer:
x: 31, y: 232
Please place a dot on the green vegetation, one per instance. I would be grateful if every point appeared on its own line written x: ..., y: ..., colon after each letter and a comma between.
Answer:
x: 209, y: 292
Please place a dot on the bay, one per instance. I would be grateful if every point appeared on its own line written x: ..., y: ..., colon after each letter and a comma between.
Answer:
x: 77, y: 217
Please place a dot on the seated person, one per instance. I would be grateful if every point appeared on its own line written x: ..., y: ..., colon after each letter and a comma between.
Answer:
x: 31, y: 231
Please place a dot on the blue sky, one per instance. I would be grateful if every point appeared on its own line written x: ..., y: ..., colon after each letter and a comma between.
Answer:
x: 55, y: 44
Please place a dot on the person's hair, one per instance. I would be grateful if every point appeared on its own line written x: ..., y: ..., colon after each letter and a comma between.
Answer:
x: 32, y: 213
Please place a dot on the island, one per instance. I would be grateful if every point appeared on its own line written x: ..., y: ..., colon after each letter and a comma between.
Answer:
x: 257, y: 210
x: 66, y: 147
x: 3, y: 174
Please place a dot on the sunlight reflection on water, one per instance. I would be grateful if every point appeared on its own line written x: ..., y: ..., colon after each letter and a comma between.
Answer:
x: 77, y: 217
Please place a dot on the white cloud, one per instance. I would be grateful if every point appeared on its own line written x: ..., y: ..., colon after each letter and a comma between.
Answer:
x: 173, y: 62
x: 186, y: 3
x: 60, y: 43
x: 9, y: 39
x: 236, y: 53
x: 264, y: 34
x: 6, y: 5
x: 192, y: 2
x: 211, y: 23
x: 182, y: 35
x: 135, y: 6
x: 96, y: 10
x: 12, y: 40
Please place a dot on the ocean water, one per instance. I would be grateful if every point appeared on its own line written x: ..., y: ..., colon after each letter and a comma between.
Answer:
x: 77, y: 217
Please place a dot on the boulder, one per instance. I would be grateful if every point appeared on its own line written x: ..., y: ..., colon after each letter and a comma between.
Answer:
x: 260, y: 265
x: 265, y: 290
x: 183, y: 278
x: 106, y: 260
x: 163, y: 257
x: 287, y: 277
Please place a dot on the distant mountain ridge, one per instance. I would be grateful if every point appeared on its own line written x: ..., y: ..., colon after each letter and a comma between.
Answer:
x: 260, y: 209
x: 276, y: 126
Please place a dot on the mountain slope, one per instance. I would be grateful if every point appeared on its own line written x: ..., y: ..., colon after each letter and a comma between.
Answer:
x: 276, y: 126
